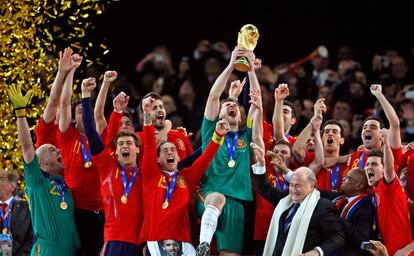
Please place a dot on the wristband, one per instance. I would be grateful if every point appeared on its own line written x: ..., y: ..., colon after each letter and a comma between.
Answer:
x: 217, y: 138
x: 249, y: 122
x: 20, y: 112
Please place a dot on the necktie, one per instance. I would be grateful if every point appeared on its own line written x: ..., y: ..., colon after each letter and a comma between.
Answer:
x: 290, y: 216
x: 3, y: 208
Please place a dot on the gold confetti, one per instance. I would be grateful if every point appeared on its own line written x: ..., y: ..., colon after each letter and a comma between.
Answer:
x: 32, y: 33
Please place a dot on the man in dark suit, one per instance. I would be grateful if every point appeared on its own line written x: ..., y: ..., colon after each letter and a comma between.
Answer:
x: 324, y: 234
x: 15, y: 216
x: 356, y: 211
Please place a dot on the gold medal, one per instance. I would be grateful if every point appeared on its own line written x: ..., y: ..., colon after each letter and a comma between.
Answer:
x: 231, y: 163
x: 87, y: 164
x: 5, y: 231
x: 63, y: 205
x: 124, y: 199
x: 165, y: 205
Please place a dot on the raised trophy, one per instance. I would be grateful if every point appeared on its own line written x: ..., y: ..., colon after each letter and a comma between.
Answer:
x: 247, y: 39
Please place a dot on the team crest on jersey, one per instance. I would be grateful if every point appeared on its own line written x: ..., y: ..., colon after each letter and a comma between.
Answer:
x: 241, y: 143
x: 181, y: 182
x: 180, y: 144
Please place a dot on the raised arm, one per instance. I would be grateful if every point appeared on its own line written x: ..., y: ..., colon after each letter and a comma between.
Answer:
x: 95, y: 141
x: 109, y: 78
x: 389, y: 173
x: 263, y: 185
x: 212, y: 106
x: 281, y: 93
x: 256, y: 110
x: 253, y: 81
x: 198, y: 168
x: 65, y: 99
x: 149, y: 163
x: 317, y: 162
x: 119, y: 103
x: 20, y: 104
x: 395, y: 136
x: 298, y: 149
x: 66, y: 64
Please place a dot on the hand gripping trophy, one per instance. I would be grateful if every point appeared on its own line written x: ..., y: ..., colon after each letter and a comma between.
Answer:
x: 247, y: 39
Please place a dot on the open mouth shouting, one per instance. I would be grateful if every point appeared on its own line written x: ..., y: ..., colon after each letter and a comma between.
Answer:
x: 160, y: 117
x: 329, y: 141
x: 368, y: 137
x: 371, y: 176
x: 125, y: 153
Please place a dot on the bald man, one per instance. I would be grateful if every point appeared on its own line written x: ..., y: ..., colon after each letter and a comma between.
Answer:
x: 50, y: 201
x: 298, y: 209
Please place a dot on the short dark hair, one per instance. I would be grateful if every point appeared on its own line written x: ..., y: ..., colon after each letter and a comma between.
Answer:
x: 162, y: 144
x: 376, y: 153
x: 125, y: 133
x: 127, y: 114
x: 290, y: 104
x: 375, y: 119
x: 335, y: 122
x: 73, y: 105
x: 283, y: 142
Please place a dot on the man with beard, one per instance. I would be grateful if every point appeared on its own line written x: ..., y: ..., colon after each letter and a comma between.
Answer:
x: 228, y: 174
x: 371, y: 135
x: 171, y: 248
x: 177, y: 137
x: 328, y: 178
x: 50, y: 201
x: 389, y: 198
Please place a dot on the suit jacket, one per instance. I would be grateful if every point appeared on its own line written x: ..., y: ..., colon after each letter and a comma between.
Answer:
x: 358, y: 228
x: 325, y: 229
x: 21, y: 228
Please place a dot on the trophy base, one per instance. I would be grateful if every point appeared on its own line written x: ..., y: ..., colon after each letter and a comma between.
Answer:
x: 242, y: 64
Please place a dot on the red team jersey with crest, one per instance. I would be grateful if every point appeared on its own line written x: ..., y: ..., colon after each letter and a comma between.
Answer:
x: 172, y: 222
x: 83, y: 182
x: 122, y: 221
x: 177, y: 137
x: 362, y: 155
x: 393, y: 215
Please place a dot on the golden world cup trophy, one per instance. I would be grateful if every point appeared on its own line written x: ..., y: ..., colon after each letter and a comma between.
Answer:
x: 247, y: 39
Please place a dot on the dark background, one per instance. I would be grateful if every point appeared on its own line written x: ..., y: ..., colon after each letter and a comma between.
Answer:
x: 288, y: 30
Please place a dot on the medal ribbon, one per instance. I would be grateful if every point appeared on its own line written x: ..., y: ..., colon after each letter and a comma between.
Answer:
x: 361, y: 160
x: 169, y: 188
x: 86, y: 154
x: 6, y: 217
x: 334, y: 177
x: 231, y: 145
x: 60, y: 188
x: 279, y: 186
x: 350, y: 208
x: 127, y: 187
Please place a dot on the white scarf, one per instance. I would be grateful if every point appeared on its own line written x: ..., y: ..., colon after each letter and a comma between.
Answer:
x: 298, y: 228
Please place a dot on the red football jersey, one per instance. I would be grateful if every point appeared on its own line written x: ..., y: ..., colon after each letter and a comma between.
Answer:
x: 393, y: 215
x: 122, y: 221
x: 172, y: 222
x: 83, y: 182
